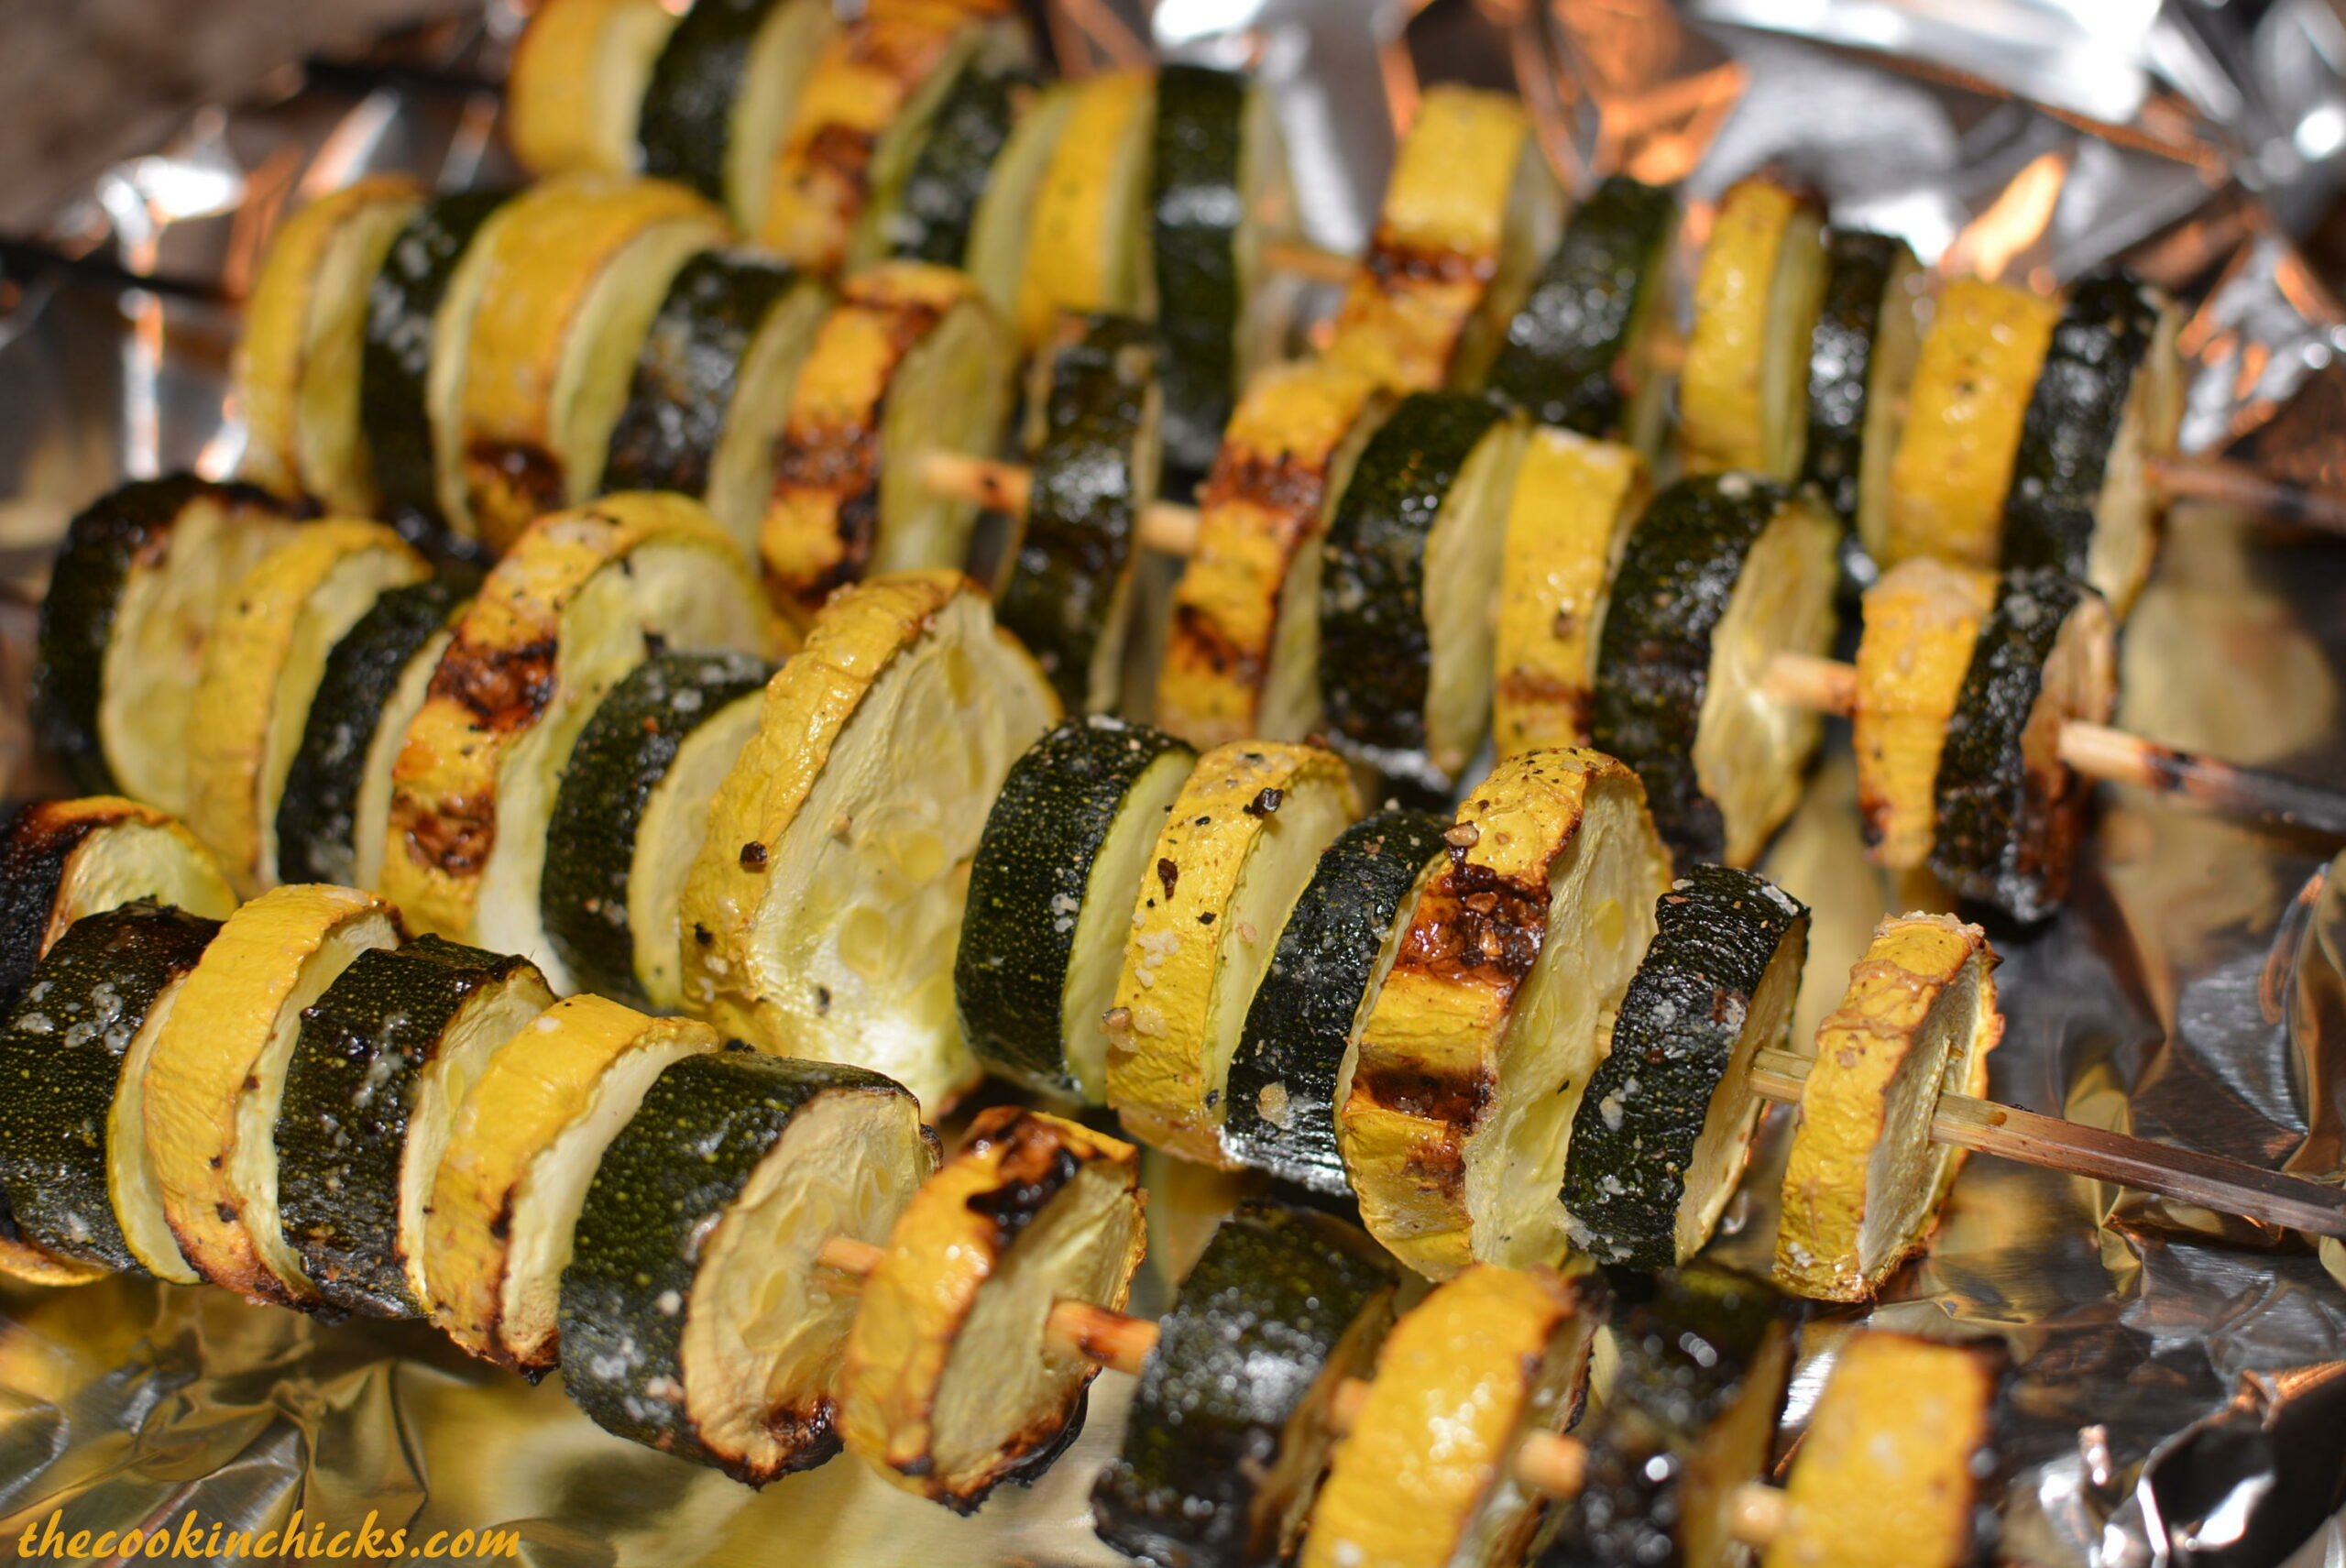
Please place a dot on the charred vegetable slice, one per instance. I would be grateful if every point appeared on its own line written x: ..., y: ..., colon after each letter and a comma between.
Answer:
x: 2010, y: 811
x: 65, y: 1167
x: 1050, y: 900
x: 577, y: 83
x: 694, y: 1318
x: 1860, y: 364
x: 1864, y: 1182
x: 1723, y: 573
x: 520, y: 1152
x: 1424, y: 1478
x: 1293, y: 1064
x: 630, y: 814
x: 1666, y: 1123
x: 1085, y: 243
x: 818, y: 919
x: 952, y: 1384
x: 1483, y: 1038
x: 216, y: 1072
x: 1230, y: 1431
x: 1241, y: 656
x: 937, y: 211
x: 1743, y: 393
x: 725, y: 84
x: 354, y: 1161
x: 1922, y: 623
x: 1238, y: 847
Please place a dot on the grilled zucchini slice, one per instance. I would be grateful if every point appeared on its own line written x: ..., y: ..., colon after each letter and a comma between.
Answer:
x: 727, y: 84
x: 1238, y: 847
x: 1086, y: 246
x: 1482, y: 1040
x: 630, y: 814
x: 1470, y: 211
x: 937, y: 211
x: 262, y: 666
x: 1069, y: 594
x: 575, y: 605
x: 1230, y: 1429
x: 2108, y: 401
x: 1743, y: 393
x: 952, y: 1384
x: 1580, y: 354
x: 2011, y: 811
x: 1860, y: 365
x: 1425, y: 1477
x: 1051, y: 891
x: 521, y: 1151
x: 1293, y: 1064
x: 1922, y: 623
x: 1724, y: 572
x: 576, y: 86
x: 1864, y: 1182
x: 66, y: 1160
x: 909, y: 361
x: 1665, y: 1125
x: 297, y: 369
x: 1575, y: 503
x: 215, y: 1074
x: 144, y: 572
x: 1409, y: 574
x: 1241, y: 656
x: 819, y: 918
x: 694, y: 1318
x: 572, y: 276
x: 1972, y: 386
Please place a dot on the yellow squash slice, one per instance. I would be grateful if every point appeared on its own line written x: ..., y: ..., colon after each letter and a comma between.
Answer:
x: 1922, y: 621
x: 578, y: 82
x: 1088, y: 243
x: 822, y: 915
x: 62, y: 860
x: 217, y: 1071
x: 1743, y: 392
x: 1003, y: 221
x: 951, y: 1383
x: 1498, y: 1009
x: 1864, y: 1183
x: 371, y: 817
x: 570, y: 610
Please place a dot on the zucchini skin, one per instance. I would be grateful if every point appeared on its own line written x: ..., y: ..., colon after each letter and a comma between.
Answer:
x: 317, y: 816
x: 395, y: 359
x: 350, y: 1085
x: 667, y: 434
x: 34, y: 847
x: 2098, y: 345
x: 1257, y: 1320
x: 1564, y: 351
x: 1033, y: 861
x: 685, y: 120
x: 1376, y: 653
x: 1857, y: 270
x: 61, y: 1046
x: 1084, y: 503
x: 1674, y: 1040
x: 1196, y: 209
x: 1677, y: 572
x: 938, y: 205
x: 1282, y: 1092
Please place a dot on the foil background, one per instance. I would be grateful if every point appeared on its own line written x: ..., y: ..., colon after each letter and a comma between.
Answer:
x: 2182, y: 1390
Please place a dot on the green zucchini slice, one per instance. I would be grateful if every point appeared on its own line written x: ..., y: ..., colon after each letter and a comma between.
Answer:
x: 1860, y: 360
x: 1230, y: 1429
x: 62, y: 1052
x: 937, y: 211
x: 722, y: 92
x: 629, y: 813
x: 1580, y: 352
x: 2010, y: 811
x: 1293, y: 1066
x: 1666, y: 1123
x: 1409, y: 585
x: 1064, y: 852
x: 693, y: 1319
x: 1724, y: 571
x: 320, y: 827
x: 145, y: 572
x: 1069, y: 594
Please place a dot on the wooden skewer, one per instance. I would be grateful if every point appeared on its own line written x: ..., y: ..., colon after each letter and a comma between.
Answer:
x: 1165, y: 526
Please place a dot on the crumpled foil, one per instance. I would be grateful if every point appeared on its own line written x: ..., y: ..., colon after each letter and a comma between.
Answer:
x: 2181, y: 1375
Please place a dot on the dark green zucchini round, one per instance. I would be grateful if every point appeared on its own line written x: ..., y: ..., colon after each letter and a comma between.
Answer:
x: 599, y: 871
x: 1228, y: 1436
x: 1197, y: 203
x: 685, y: 123
x: 1287, y: 1076
x: 395, y: 363
x: 317, y: 816
x: 61, y: 1052
x: 1665, y: 1126
x: 344, y: 1180
x: 1853, y: 360
x: 1572, y: 356
x: 1068, y: 599
x: 938, y: 208
x: 1051, y: 889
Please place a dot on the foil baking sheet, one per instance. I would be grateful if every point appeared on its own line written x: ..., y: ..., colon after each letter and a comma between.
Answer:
x: 2182, y: 1377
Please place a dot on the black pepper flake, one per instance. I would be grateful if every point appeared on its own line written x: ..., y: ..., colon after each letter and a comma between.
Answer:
x: 822, y: 1000
x: 703, y: 935
x: 1205, y: 917
x: 754, y: 857
x: 1265, y: 803
x: 1168, y: 873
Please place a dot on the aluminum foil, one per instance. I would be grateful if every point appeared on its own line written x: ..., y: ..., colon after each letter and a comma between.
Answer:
x: 2181, y: 1394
